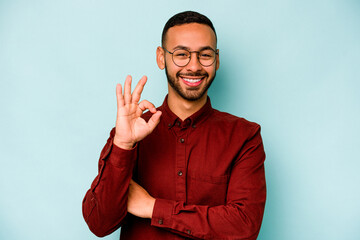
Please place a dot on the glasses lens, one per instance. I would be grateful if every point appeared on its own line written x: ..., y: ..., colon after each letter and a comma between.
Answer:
x: 206, y: 57
x: 181, y: 57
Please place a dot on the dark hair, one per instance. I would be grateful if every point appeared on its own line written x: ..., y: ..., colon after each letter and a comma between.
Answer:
x: 184, y: 18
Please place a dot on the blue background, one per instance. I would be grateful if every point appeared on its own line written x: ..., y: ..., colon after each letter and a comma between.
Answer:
x: 292, y: 66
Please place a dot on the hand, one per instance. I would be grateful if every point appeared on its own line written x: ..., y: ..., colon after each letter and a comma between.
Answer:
x: 130, y: 127
x: 140, y: 203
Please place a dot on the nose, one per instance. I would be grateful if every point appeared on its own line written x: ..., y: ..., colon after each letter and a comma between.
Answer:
x: 194, y: 64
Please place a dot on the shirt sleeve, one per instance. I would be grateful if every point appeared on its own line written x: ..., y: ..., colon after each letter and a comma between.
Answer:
x: 104, y: 211
x: 239, y: 218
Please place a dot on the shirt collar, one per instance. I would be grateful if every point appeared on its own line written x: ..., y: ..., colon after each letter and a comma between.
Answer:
x: 196, y: 118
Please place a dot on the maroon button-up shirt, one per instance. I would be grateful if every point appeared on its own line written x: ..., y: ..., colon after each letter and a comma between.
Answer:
x: 206, y: 173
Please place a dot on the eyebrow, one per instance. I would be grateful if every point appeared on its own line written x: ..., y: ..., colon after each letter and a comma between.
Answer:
x: 187, y: 48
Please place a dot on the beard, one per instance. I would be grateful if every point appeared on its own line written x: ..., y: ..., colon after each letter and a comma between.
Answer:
x: 193, y: 94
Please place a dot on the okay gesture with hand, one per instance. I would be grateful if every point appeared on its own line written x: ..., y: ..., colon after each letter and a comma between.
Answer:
x: 130, y: 128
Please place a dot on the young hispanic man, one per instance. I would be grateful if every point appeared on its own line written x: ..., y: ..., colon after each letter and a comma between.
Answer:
x: 183, y: 170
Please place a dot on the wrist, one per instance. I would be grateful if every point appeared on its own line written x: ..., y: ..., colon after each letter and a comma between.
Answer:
x: 123, y: 145
x: 151, y: 207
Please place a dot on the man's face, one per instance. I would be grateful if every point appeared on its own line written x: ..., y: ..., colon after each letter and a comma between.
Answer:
x: 192, y: 81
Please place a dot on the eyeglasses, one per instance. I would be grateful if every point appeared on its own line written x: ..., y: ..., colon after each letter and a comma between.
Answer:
x: 182, y: 57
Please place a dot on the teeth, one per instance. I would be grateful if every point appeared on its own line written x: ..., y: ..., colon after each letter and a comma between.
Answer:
x: 192, y: 80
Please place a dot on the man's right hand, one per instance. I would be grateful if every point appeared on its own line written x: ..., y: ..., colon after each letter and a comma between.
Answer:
x: 130, y: 127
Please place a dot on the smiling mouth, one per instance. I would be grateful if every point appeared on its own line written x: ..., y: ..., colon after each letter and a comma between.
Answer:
x: 192, y: 82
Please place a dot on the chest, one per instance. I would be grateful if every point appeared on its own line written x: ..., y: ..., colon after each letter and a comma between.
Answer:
x: 190, y: 165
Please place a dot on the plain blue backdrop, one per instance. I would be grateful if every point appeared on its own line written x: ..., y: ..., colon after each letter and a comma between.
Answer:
x: 292, y: 66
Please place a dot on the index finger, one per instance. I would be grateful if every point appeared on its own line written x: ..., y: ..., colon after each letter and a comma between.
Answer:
x: 138, y: 89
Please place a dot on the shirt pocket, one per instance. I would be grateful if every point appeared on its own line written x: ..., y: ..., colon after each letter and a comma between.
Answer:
x: 206, y: 189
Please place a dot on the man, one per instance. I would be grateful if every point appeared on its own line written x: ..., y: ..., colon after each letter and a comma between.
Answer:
x: 184, y: 170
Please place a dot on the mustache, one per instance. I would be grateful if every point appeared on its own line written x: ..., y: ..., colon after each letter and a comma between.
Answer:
x: 192, y: 74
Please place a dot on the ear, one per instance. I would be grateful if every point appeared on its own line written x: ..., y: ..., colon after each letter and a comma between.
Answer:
x: 160, y: 57
x: 217, y: 60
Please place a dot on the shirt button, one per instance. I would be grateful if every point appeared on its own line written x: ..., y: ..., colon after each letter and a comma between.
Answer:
x: 169, y: 125
x: 178, y: 124
x: 194, y: 126
x: 180, y: 173
x: 161, y: 221
x: 182, y: 140
x: 188, y: 232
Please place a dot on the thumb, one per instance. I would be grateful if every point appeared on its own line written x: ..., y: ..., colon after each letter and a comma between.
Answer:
x: 154, y: 120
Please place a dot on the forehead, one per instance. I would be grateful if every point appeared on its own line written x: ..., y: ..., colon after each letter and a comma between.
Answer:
x: 191, y: 35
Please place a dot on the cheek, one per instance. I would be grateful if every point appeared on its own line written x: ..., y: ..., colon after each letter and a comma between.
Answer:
x: 172, y: 69
x: 211, y: 70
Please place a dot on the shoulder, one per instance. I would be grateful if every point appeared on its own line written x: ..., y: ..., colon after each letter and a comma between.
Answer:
x: 234, y: 123
x: 227, y: 118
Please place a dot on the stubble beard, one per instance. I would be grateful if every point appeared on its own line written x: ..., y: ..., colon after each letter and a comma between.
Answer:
x: 192, y: 94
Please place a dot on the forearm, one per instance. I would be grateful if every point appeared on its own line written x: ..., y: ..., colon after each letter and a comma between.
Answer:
x: 239, y: 218
x: 236, y: 220
x: 104, y: 211
x: 105, y: 203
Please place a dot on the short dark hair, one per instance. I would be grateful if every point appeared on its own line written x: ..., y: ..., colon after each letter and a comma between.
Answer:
x: 184, y: 18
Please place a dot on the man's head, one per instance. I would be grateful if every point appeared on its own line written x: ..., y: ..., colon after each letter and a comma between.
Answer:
x: 189, y: 55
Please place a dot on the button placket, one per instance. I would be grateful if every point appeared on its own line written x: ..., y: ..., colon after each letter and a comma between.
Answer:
x: 181, y: 159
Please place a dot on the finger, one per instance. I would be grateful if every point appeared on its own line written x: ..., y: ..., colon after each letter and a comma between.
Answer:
x: 138, y: 90
x: 127, y: 90
x: 145, y: 104
x: 154, y: 120
x: 119, y: 96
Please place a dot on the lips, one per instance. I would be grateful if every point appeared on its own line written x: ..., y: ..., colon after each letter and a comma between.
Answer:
x: 192, y: 81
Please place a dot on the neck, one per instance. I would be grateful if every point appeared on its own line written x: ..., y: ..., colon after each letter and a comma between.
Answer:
x: 182, y: 107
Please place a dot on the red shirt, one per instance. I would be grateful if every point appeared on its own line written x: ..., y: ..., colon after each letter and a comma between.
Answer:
x: 206, y: 173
